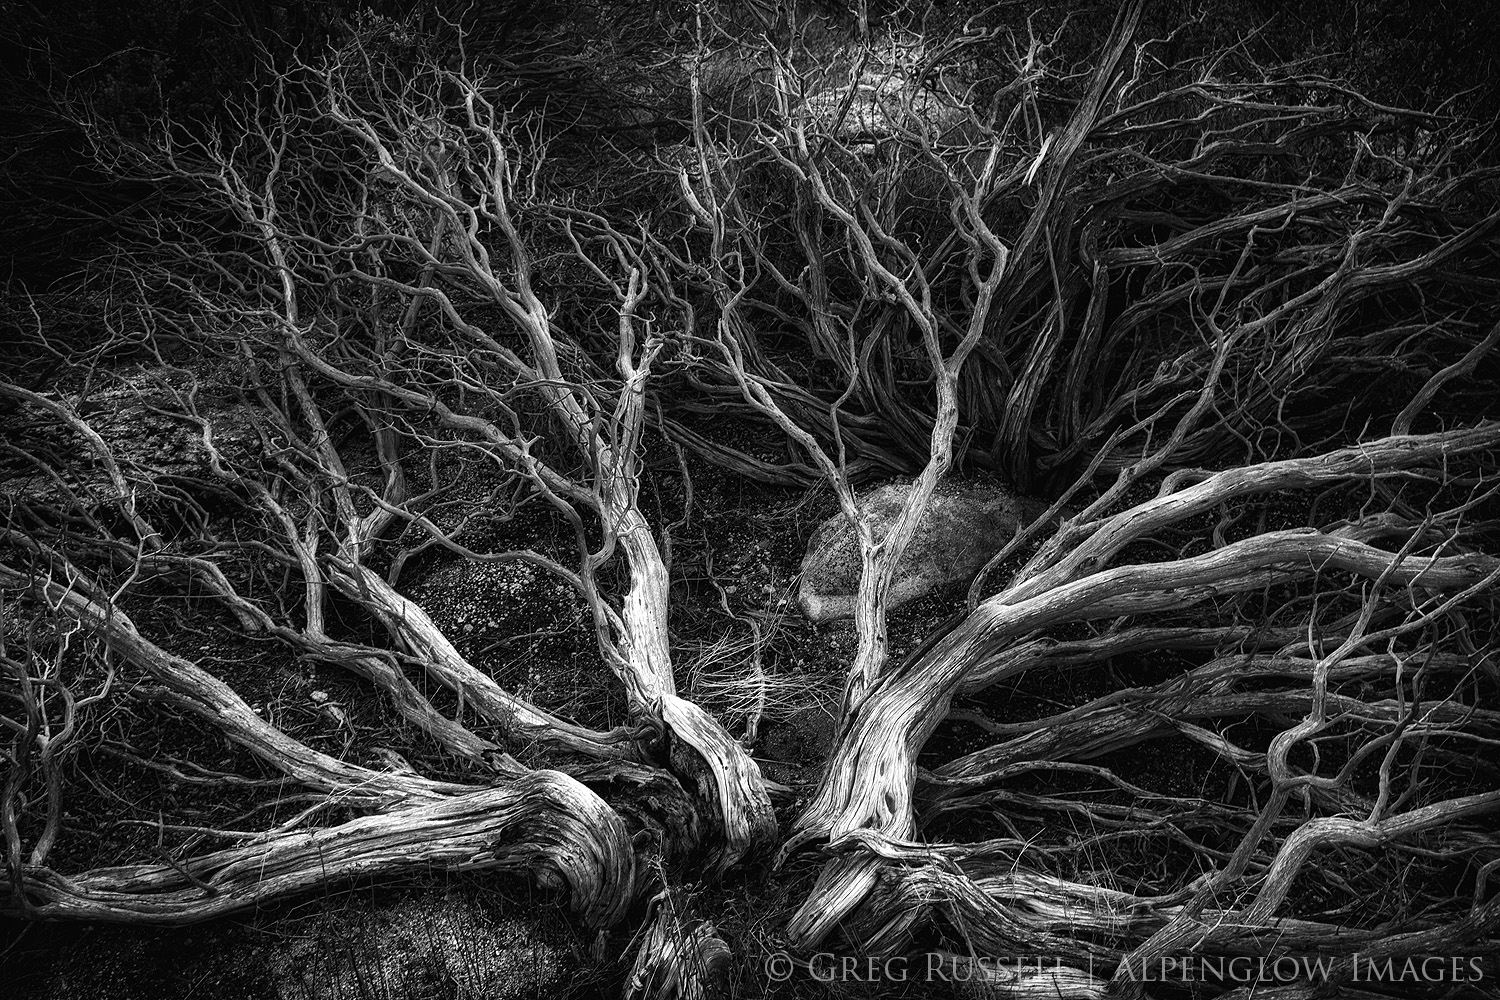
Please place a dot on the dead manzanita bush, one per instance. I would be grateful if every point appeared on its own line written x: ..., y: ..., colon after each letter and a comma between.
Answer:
x: 1219, y: 312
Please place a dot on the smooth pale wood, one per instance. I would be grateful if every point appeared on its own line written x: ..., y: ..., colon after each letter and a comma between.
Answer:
x: 197, y: 691
x: 536, y: 822
x: 869, y: 785
x: 520, y: 719
x: 720, y: 767
x: 544, y: 824
x: 1125, y: 718
x: 686, y: 960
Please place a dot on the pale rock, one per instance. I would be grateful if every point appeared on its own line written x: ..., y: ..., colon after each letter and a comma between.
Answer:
x: 964, y: 525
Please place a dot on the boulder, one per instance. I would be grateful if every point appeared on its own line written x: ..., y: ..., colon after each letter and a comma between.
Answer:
x: 964, y: 525
x: 429, y: 944
x: 469, y: 941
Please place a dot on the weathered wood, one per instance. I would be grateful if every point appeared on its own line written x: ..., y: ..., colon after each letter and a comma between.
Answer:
x: 542, y: 824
